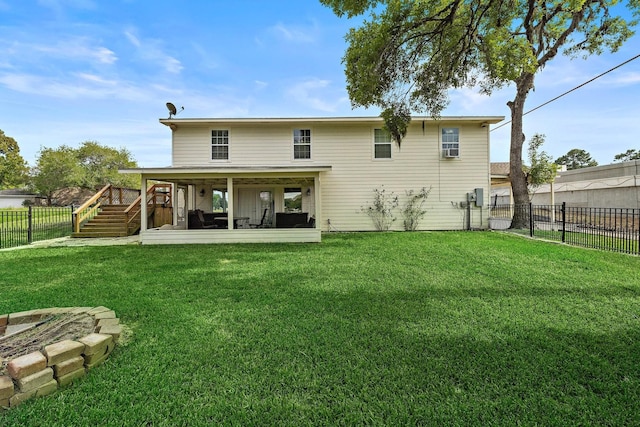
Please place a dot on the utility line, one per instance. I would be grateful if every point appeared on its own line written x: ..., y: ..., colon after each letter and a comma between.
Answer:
x: 571, y: 90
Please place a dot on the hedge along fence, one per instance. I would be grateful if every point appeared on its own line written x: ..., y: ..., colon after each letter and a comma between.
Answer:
x: 27, y: 373
x: 20, y: 227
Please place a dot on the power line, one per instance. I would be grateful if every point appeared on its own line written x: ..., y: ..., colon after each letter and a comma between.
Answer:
x: 571, y: 90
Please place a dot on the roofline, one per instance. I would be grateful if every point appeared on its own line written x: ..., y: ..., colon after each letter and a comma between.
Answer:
x: 372, y: 119
x: 185, y: 170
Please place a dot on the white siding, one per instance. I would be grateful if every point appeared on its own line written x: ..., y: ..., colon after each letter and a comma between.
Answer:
x: 279, y: 235
x: 348, y: 149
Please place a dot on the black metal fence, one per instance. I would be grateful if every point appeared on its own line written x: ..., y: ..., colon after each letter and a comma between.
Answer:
x: 24, y: 226
x: 613, y: 229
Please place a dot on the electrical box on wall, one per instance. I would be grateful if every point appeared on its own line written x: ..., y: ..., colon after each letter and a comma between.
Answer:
x: 479, y: 196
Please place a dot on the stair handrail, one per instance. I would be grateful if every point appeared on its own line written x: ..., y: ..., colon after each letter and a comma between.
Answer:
x: 136, y: 204
x: 90, y: 206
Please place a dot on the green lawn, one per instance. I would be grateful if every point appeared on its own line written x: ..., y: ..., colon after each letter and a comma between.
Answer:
x: 451, y: 328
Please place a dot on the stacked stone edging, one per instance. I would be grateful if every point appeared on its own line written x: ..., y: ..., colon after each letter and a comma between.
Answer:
x: 58, y: 364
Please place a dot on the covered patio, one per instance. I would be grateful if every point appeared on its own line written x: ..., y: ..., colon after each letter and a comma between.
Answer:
x: 237, y: 204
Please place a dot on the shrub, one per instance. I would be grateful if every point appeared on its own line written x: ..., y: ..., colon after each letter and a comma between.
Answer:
x: 413, y: 210
x: 381, y: 210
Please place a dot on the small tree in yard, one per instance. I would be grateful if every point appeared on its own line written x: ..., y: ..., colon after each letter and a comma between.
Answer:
x: 381, y: 210
x: 542, y: 169
x: 413, y: 210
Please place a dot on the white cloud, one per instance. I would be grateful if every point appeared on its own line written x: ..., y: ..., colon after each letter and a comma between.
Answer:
x: 295, y: 33
x: 132, y: 38
x: 83, y: 87
x: 78, y: 48
x: 313, y: 93
x: 624, y: 79
x: 92, y: 78
x: 150, y: 50
x: 59, y: 4
x: 207, y: 57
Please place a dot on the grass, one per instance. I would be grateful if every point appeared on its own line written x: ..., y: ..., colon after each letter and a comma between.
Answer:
x: 452, y: 328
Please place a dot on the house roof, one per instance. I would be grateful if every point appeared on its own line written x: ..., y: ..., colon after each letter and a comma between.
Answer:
x: 372, y: 120
x: 228, y: 170
x: 15, y: 192
x: 500, y: 169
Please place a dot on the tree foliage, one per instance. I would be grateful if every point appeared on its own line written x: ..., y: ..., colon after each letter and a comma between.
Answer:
x: 55, y: 168
x: 542, y: 169
x: 576, y: 159
x: 101, y: 163
x: 627, y: 156
x: 90, y: 166
x: 408, y: 54
x: 13, y: 168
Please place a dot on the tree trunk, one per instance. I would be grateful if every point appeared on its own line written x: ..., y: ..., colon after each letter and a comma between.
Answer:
x: 516, y: 174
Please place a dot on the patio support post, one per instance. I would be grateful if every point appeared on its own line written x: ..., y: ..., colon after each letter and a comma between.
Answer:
x: 174, y: 203
x: 231, y: 202
x: 143, y: 205
x: 318, y: 201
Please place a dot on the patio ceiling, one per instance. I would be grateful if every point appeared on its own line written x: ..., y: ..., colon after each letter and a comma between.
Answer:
x: 242, y: 175
x: 253, y: 181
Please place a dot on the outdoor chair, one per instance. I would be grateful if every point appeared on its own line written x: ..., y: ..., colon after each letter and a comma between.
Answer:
x: 202, y: 222
x: 262, y: 224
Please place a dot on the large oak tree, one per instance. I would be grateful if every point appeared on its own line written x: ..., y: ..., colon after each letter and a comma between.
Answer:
x: 409, y: 53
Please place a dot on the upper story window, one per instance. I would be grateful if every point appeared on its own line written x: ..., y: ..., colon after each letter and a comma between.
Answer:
x: 381, y: 144
x: 450, y: 142
x: 219, y: 145
x: 302, y: 143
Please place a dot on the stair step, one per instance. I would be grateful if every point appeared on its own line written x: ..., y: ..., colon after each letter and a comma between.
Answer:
x: 99, y: 234
x: 112, y: 221
x: 117, y: 227
x: 106, y: 220
x: 112, y: 213
x: 112, y: 208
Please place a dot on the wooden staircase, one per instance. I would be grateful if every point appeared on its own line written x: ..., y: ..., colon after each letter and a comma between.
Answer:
x: 115, y: 212
x: 111, y: 221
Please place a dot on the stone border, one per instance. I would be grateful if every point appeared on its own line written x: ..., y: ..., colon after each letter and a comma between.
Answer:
x: 58, y: 364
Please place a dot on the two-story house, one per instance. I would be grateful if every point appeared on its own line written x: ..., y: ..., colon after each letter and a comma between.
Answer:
x: 290, y: 179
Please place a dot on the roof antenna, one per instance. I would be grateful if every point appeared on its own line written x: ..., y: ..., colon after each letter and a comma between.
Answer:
x: 172, y: 109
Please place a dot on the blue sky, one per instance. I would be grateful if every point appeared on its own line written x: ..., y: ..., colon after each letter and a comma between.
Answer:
x: 78, y: 70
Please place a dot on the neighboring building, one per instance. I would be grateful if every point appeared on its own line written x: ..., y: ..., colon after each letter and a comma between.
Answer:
x: 608, y: 186
x: 291, y: 179
x: 501, y: 193
x: 15, y: 198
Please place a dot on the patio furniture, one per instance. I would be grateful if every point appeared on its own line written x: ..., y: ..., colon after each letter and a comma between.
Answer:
x: 197, y: 221
x: 262, y: 224
x: 291, y: 219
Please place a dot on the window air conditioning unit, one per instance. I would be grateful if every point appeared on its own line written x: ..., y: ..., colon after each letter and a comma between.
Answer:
x: 451, y: 153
